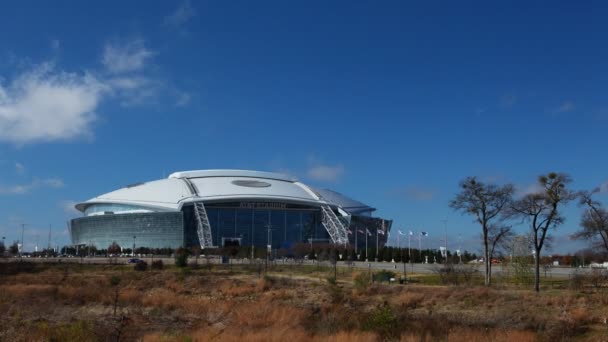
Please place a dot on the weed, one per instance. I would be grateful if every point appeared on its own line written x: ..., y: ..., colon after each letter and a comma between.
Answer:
x: 383, y: 321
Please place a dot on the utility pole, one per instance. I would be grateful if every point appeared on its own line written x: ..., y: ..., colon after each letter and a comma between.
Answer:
x: 377, y: 231
x: 445, y: 227
x: 460, y: 249
x: 367, y: 233
x: 22, y: 244
x: 269, y: 242
x: 49, y: 245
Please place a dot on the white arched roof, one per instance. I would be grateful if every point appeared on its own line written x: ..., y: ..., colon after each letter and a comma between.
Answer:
x: 221, y: 186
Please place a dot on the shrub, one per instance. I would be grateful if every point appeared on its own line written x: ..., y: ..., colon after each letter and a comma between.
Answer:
x: 361, y: 282
x: 335, y: 292
x: 383, y: 321
x: 384, y: 275
x: 448, y: 274
x: 141, y: 266
x: 157, y: 265
x: 181, y: 257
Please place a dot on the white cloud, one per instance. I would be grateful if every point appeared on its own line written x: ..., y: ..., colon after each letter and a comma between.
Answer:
x: 127, y: 57
x: 19, y: 168
x: 182, y: 99
x: 529, y: 189
x: 413, y: 193
x: 326, y: 173
x: 69, y: 209
x: 419, y: 194
x: 47, y: 105
x: 55, y: 45
x: 181, y: 16
x: 508, y: 100
x: 135, y: 90
x: 603, y: 188
x: 565, y: 107
x: 20, y: 189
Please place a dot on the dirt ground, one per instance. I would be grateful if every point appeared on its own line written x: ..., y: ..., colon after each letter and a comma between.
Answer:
x: 117, y: 303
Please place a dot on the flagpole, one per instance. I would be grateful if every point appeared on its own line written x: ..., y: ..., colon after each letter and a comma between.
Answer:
x: 366, y: 250
x: 355, y: 231
x: 409, y: 249
x: 409, y: 246
x: 399, y: 243
x: 420, y: 246
x: 377, y: 245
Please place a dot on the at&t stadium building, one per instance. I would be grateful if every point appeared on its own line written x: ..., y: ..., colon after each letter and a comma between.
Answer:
x: 216, y: 208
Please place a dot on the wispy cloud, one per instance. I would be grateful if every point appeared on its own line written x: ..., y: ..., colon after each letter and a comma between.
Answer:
x: 42, y: 103
x: 126, y: 57
x: 55, y: 45
x: 420, y: 194
x: 415, y: 193
x: 46, y: 105
x: 565, y: 107
x: 508, y: 100
x: 325, y: 173
x: 68, y: 207
x: 603, y: 188
x: 135, y: 90
x: 528, y: 189
x: 181, y: 16
x: 19, y: 168
x: 183, y: 99
x: 20, y: 189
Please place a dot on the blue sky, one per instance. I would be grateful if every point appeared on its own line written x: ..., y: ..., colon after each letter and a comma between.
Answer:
x: 391, y: 103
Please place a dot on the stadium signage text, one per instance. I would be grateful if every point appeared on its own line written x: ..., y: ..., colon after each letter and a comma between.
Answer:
x: 263, y: 205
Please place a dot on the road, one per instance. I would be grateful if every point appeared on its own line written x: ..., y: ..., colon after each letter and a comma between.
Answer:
x: 558, y: 272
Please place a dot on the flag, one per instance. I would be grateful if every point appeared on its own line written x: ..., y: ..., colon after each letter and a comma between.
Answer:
x: 381, y: 232
x: 424, y: 234
x: 368, y: 232
x: 401, y: 233
x: 411, y: 233
x: 360, y: 231
x: 350, y: 232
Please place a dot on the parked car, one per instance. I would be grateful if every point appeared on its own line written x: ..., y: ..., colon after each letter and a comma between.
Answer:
x: 134, y: 261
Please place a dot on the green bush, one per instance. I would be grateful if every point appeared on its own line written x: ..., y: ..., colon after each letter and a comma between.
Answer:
x: 384, y: 275
x: 157, y: 265
x: 141, y: 266
x: 383, y: 321
x: 362, y: 282
x: 181, y: 257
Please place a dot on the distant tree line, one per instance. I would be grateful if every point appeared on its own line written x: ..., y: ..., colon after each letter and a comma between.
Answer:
x: 320, y: 252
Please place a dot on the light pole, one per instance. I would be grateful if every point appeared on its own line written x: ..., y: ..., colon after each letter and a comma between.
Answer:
x: 133, y: 251
x: 268, y: 242
x: 445, y: 227
x: 22, y: 244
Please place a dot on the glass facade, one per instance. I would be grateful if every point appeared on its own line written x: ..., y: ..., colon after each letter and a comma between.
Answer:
x: 102, y: 208
x: 244, y: 223
x: 154, y: 230
x: 258, y: 224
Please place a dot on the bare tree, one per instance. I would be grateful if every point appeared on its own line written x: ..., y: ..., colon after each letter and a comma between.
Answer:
x: 541, y: 210
x: 486, y: 202
x: 114, y: 248
x: 594, y: 221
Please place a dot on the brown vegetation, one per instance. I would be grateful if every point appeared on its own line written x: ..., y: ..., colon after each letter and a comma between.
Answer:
x: 76, y: 304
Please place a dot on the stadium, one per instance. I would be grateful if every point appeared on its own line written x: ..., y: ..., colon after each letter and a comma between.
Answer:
x: 218, y: 208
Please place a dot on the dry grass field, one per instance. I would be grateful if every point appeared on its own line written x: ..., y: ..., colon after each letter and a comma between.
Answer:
x: 221, y: 303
